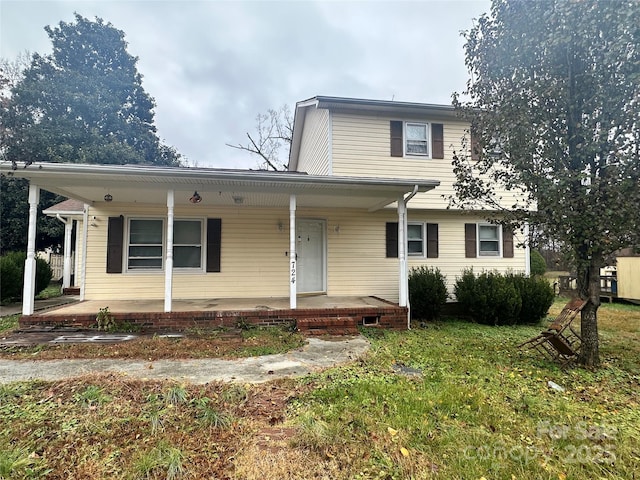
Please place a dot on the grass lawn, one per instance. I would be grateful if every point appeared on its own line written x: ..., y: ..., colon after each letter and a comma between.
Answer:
x: 53, y: 290
x: 479, y: 408
x: 9, y: 322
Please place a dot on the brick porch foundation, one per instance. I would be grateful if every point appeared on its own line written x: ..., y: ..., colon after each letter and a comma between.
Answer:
x: 312, y: 321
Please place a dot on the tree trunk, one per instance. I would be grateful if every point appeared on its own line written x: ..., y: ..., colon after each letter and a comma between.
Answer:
x: 589, y: 289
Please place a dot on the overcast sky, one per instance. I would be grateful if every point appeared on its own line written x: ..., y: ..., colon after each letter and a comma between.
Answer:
x: 212, y: 66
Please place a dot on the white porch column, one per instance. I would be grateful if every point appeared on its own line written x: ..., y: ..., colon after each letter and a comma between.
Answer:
x: 29, y: 284
x: 76, y: 257
x: 85, y: 239
x: 402, y: 253
x: 66, y: 268
x: 293, y: 266
x: 168, y: 270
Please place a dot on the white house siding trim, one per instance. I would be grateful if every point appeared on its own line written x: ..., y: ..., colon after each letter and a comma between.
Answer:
x: 314, y: 156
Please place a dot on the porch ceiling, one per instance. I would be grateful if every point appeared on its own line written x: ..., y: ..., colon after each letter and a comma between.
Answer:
x: 145, y: 184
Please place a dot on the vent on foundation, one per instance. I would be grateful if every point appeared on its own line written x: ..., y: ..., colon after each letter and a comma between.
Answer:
x: 370, y: 320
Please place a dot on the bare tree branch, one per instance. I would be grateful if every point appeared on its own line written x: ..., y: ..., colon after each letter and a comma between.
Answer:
x: 272, y: 139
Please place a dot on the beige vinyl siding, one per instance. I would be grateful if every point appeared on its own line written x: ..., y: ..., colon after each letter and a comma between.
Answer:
x: 628, y: 275
x: 361, y: 143
x: 255, y: 258
x: 356, y: 251
x: 314, y: 157
x: 451, y: 256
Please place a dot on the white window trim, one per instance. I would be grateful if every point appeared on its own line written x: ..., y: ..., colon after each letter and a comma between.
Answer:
x: 405, y: 139
x: 178, y: 270
x: 423, y: 227
x: 499, y: 240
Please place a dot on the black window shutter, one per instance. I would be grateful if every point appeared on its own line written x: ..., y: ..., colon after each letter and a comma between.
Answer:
x: 475, y: 147
x: 470, y: 240
x: 437, y: 140
x: 115, y: 234
x: 507, y: 243
x: 392, y: 239
x: 396, y: 139
x: 214, y: 242
x: 432, y: 240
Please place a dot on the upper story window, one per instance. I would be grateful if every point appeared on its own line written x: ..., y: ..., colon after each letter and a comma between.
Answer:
x: 420, y: 139
x: 416, y: 139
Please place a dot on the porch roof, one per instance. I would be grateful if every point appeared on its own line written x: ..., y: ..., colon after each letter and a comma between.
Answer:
x: 217, y: 187
x: 70, y: 207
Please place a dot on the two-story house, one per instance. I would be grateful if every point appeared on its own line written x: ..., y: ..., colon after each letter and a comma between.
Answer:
x: 364, y: 200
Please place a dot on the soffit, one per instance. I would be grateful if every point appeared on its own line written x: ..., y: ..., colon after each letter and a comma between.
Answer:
x: 149, y: 185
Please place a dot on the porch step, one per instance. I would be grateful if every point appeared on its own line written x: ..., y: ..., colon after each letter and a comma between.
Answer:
x: 328, y: 326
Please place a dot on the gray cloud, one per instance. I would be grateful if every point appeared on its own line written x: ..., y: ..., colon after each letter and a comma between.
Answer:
x: 212, y: 66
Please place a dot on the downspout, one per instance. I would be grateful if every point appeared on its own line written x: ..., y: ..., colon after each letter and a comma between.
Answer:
x: 66, y: 269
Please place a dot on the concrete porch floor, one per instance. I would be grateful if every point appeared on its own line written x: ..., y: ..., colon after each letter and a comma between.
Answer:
x: 218, y: 305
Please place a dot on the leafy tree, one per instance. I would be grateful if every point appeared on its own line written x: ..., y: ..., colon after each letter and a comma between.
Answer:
x: 272, y: 139
x: 14, y: 206
x: 554, y: 102
x: 84, y: 103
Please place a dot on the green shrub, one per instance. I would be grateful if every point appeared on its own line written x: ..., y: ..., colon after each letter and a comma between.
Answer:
x: 10, y: 277
x: 12, y: 274
x: 494, y: 299
x: 489, y: 298
x: 537, y: 296
x: 427, y: 292
x: 538, y: 265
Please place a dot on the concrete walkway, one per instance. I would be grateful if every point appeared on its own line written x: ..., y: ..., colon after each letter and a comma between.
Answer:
x: 39, y: 305
x: 316, y: 355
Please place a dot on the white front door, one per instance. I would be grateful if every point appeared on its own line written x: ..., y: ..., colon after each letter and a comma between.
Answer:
x: 310, y: 249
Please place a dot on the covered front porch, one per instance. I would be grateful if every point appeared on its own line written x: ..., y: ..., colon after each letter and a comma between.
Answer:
x: 315, y: 314
x: 154, y: 236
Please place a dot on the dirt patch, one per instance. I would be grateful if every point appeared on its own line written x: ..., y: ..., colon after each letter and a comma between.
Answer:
x: 66, y: 344
x: 111, y: 426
